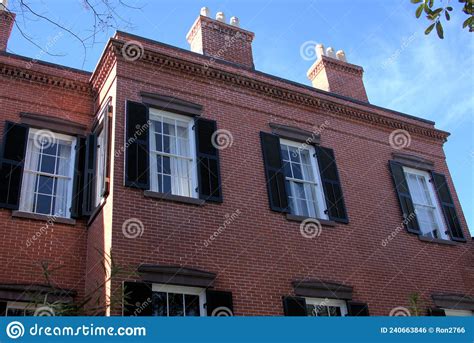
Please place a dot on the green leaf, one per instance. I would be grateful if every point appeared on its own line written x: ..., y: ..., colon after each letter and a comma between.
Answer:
x: 449, y: 8
x: 439, y: 30
x: 468, y: 22
x: 446, y: 13
x: 431, y: 3
x: 419, y: 10
x: 429, y: 29
x: 416, y: 1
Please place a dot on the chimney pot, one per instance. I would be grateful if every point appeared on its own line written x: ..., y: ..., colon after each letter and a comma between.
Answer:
x: 319, y: 50
x: 205, y: 11
x: 7, y: 19
x: 341, y: 56
x: 220, y: 16
x: 234, y: 21
x: 330, y: 52
x: 4, y: 3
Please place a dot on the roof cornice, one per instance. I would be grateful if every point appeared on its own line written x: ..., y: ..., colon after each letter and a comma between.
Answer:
x: 286, y: 94
x: 28, y: 74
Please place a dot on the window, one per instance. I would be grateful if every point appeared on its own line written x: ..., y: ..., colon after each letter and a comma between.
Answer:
x: 303, y: 182
x: 458, y: 313
x: 172, y: 152
x: 425, y: 203
x: 48, y: 174
x: 19, y: 309
x: 326, y: 307
x: 178, y: 301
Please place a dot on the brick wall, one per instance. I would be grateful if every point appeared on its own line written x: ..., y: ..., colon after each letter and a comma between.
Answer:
x: 261, y: 252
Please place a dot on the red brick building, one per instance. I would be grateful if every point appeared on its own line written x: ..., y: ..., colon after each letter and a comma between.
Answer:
x: 217, y: 189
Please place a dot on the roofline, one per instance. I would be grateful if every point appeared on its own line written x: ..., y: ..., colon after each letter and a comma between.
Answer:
x: 48, y: 64
x: 277, y: 78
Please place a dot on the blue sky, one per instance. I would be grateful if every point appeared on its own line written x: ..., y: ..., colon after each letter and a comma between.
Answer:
x: 404, y: 69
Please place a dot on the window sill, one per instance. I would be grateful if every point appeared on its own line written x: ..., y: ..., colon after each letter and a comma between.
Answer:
x: 42, y: 217
x: 175, y: 198
x: 296, y: 218
x: 437, y: 240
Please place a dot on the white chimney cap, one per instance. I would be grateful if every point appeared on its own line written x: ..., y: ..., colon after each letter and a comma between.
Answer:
x: 4, y: 3
x: 330, y: 52
x: 234, y: 21
x: 220, y: 16
x: 341, y: 56
x: 205, y: 11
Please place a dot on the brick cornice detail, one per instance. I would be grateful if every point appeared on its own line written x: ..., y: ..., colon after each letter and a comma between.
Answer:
x: 285, y: 94
x: 26, y: 74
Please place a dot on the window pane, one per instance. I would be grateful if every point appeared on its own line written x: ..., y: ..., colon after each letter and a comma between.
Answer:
x: 48, y: 164
x: 284, y: 153
x: 294, y: 155
x: 45, y: 185
x: 168, y: 127
x: 159, y: 304
x: 49, y: 149
x: 166, y: 184
x: 166, y: 165
x: 192, y: 305
x: 43, y: 204
x: 158, y: 142
x: 297, y: 174
x: 176, y: 306
x: 310, y: 310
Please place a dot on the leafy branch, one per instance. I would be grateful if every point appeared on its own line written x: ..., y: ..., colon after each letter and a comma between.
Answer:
x: 436, y: 14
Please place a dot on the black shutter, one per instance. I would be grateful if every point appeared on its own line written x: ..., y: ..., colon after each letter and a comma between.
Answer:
x: 357, y: 309
x: 79, y: 165
x: 336, y: 210
x: 138, y: 298
x: 137, y: 146
x: 447, y: 204
x: 209, y: 179
x: 88, y: 201
x: 294, y: 306
x: 219, y: 303
x: 274, y: 172
x: 404, y: 197
x: 15, y: 138
x: 437, y: 312
x: 3, y: 308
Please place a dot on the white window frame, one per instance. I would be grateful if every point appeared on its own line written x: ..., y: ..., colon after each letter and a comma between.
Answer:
x: 328, y: 302
x: 320, y: 199
x: 57, y: 136
x: 434, y: 200
x: 16, y: 305
x: 101, y: 159
x: 457, y: 313
x: 201, y: 292
x: 155, y: 114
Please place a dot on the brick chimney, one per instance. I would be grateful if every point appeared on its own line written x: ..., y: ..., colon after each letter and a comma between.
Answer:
x: 7, y: 19
x: 215, y: 38
x: 332, y: 73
